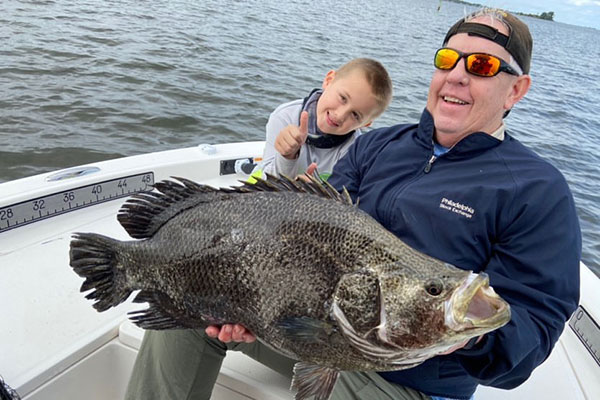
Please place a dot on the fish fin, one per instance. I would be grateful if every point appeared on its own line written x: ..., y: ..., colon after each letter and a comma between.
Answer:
x: 313, y: 184
x: 95, y: 258
x: 313, y: 380
x: 306, y: 329
x: 155, y: 316
x: 144, y: 213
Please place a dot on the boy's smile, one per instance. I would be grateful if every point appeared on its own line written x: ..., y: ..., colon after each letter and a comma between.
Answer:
x: 330, y: 121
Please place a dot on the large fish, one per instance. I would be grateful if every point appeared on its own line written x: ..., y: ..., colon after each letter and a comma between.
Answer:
x: 298, y: 264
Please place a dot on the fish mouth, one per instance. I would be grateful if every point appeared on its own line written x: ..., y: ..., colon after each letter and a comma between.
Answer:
x: 475, y: 305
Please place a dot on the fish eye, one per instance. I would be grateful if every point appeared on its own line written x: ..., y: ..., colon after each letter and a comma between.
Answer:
x: 434, y: 287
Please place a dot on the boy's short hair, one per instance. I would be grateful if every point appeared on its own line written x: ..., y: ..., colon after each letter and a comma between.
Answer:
x: 377, y: 77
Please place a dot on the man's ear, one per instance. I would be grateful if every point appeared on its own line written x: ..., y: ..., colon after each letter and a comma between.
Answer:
x: 518, y: 90
x: 328, y: 79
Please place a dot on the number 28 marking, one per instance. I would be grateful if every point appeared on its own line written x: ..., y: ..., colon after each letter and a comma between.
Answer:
x: 6, y: 214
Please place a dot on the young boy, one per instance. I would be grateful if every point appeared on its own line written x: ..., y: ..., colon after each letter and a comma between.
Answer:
x: 185, y: 363
x: 320, y: 128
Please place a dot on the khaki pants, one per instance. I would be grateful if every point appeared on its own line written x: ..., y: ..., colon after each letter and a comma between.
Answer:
x: 184, y: 364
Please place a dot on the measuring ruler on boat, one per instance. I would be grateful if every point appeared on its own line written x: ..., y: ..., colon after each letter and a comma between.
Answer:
x: 587, y: 330
x: 30, y: 211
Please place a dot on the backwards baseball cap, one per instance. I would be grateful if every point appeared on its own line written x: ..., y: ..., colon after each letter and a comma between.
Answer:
x: 518, y: 42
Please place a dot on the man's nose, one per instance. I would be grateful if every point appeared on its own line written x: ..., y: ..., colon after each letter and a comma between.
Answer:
x: 459, y: 73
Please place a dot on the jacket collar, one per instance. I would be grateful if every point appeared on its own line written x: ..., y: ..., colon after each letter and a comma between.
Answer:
x: 469, y: 146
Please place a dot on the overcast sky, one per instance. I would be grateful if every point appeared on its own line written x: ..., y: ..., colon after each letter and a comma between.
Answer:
x: 575, y: 12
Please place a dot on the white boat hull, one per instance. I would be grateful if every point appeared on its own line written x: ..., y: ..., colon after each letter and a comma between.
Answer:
x: 54, y: 345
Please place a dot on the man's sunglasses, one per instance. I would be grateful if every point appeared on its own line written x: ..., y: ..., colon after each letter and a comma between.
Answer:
x: 480, y: 64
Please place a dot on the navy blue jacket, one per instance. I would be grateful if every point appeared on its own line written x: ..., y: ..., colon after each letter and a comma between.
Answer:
x: 485, y: 205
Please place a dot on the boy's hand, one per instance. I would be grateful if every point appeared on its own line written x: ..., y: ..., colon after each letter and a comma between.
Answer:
x: 291, y: 138
x: 310, y: 170
x: 230, y: 333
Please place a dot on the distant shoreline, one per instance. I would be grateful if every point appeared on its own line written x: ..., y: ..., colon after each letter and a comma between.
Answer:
x: 548, y: 16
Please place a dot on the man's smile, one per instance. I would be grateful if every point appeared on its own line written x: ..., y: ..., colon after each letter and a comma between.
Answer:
x: 449, y: 99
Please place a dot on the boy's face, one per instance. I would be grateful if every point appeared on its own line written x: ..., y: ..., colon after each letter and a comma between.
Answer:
x: 347, y: 103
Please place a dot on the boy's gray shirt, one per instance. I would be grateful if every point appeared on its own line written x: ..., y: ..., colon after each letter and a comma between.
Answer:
x: 275, y: 164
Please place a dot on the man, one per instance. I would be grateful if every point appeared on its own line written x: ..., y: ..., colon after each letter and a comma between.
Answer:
x: 458, y: 187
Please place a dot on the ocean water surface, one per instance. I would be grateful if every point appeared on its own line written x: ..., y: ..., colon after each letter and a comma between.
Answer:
x: 86, y: 80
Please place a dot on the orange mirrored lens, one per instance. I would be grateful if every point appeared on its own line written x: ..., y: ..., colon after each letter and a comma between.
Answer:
x: 479, y: 64
x: 446, y: 58
x: 483, y: 64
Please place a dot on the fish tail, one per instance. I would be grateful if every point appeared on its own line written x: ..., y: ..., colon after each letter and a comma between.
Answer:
x: 96, y: 258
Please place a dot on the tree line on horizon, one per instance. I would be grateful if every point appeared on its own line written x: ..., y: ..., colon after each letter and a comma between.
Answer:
x: 548, y: 16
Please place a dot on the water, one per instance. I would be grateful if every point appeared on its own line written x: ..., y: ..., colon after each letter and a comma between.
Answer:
x: 87, y: 80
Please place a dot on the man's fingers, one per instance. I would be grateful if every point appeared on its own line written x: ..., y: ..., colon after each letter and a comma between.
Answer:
x: 225, y: 333
x: 230, y: 333
x: 241, y: 334
x: 248, y: 337
x: 238, y: 333
x: 212, y: 331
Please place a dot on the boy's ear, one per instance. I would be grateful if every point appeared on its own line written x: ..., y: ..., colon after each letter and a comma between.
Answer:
x: 367, y: 124
x: 328, y: 79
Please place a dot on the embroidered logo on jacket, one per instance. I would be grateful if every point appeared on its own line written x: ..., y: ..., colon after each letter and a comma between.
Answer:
x: 457, y: 208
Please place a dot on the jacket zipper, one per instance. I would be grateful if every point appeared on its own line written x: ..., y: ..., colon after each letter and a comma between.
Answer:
x: 429, y: 164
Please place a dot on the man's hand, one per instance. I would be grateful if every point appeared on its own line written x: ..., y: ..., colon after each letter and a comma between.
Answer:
x: 291, y: 138
x: 230, y: 333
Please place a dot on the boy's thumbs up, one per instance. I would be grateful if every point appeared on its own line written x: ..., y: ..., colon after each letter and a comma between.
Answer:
x: 292, y: 137
x: 304, y: 124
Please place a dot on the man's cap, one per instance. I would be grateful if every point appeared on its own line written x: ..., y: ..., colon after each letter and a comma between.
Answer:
x: 518, y: 43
